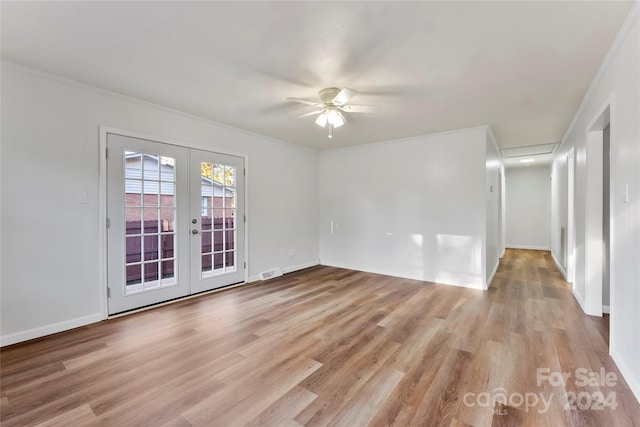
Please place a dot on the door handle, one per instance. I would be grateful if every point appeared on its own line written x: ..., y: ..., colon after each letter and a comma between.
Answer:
x: 194, y: 231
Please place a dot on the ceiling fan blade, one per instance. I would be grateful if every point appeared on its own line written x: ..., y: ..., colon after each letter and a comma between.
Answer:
x: 304, y: 101
x: 310, y: 114
x: 344, y: 96
x: 359, y: 108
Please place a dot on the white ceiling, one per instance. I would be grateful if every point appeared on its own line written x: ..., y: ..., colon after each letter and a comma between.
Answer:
x: 521, y: 67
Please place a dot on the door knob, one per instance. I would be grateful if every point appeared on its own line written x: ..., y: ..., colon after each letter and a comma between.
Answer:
x: 194, y: 231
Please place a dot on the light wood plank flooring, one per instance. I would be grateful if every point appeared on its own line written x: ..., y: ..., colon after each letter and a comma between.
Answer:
x: 328, y: 346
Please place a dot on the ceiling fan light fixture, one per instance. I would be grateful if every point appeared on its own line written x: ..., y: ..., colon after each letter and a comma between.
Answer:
x: 335, y: 118
x: 322, y: 119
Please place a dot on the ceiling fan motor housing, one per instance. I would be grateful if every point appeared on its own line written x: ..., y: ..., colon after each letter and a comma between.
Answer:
x: 327, y: 95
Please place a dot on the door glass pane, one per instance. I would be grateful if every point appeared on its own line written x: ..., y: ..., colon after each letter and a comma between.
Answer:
x: 134, y: 249
x: 167, y: 242
x: 133, y: 192
x: 218, y: 204
x: 218, y: 174
x: 230, y: 240
x: 218, y: 218
x: 150, y: 220
x: 134, y: 278
x: 133, y: 221
x: 218, y: 262
x: 132, y: 165
x: 168, y: 275
x: 150, y: 167
x: 230, y: 219
x: 230, y: 261
x: 206, y: 265
x: 206, y: 242
x: 167, y: 219
x: 151, y: 251
x: 230, y: 176
x: 151, y: 275
x: 167, y: 169
x: 230, y: 198
x: 207, y: 220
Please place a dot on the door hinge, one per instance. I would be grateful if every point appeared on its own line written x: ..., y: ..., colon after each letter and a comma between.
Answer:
x: 245, y: 265
x: 245, y: 219
x: 108, y: 292
x: 244, y: 172
x: 107, y: 223
x: 106, y: 153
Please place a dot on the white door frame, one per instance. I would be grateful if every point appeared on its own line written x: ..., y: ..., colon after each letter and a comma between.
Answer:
x: 571, y: 217
x: 102, y: 200
x: 593, y: 208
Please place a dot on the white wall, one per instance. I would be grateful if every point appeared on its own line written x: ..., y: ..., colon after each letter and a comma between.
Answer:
x: 617, y: 81
x: 528, y: 209
x: 50, y: 153
x: 410, y: 208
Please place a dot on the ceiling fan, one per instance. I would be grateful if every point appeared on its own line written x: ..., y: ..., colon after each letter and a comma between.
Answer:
x: 333, y: 101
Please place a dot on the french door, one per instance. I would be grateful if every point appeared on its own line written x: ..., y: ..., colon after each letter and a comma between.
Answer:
x: 175, y: 222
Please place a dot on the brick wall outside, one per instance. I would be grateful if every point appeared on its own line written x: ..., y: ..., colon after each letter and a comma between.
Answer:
x: 166, y: 211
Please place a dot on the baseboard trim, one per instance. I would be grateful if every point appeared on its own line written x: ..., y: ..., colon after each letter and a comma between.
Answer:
x: 580, y: 301
x: 492, y: 275
x: 480, y: 286
x: 53, y: 328
x: 533, y: 248
x: 559, y: 266
x: 310, y: 264
x: 288, y: 270
x: 632, y: 382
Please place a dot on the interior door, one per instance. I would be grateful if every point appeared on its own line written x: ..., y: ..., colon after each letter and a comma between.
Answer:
x: 176, y: 222
x: 217, y: 220
x: 148, y: 215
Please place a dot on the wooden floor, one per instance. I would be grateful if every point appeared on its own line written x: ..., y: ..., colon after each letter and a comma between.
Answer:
x: 328, y: 346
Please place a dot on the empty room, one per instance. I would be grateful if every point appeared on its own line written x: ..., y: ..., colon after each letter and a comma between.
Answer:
x: 319, y: 213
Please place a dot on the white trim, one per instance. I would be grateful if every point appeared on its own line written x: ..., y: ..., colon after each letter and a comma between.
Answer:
x: 625, y: 30
x: 288, y: 270
x: 577, y: 297
x: 102, y: 221
x: 410, y: 138
x: 493, y: 139
x: 53, y: 328
x: 492, y: 275
x: 391, y: 273
x: 533, y: 248
x: 170, y: 141
x: 571, y: 216
x: 559, y: 266
x: 606, y: 309
x: 626, y: 373
x: 599, y: 120
x: 293, y: 268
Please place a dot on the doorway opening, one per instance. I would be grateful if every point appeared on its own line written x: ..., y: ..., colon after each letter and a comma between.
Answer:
x: 598, y: 225
x: 175, y: 221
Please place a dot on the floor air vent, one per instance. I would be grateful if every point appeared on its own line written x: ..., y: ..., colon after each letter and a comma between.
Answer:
x: 270, y: 274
